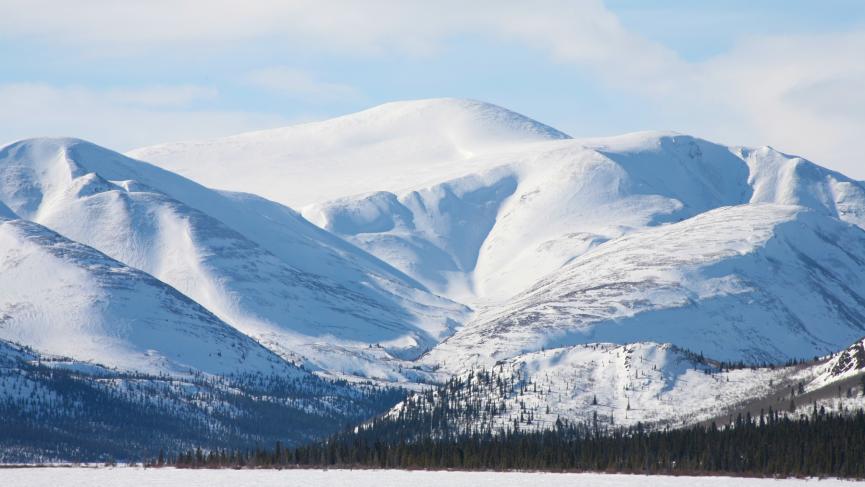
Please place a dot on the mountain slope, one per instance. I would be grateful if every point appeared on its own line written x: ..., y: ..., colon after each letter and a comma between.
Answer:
x: 388, y: 147
x: 658, y: 385
x: 64, y: 298
x: 614, y: 385
x: 483, y: 237
x: 503, y: 221
x: 474, y: 201
x: 55, y: 408
x: 760, y: 283
x: 257, y: 265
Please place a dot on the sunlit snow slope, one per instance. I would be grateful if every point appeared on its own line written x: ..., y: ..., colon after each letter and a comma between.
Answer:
x: 61, y: 297
x: 256, y: 264
x: 645, y: 382
x: 392, y: 146
x: 485, y: 236
x: 758, y: 282
x: 551, y: 239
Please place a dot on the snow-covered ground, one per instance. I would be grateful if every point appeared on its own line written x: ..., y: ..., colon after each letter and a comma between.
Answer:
x: 649, y: 383
x: 131, y: 476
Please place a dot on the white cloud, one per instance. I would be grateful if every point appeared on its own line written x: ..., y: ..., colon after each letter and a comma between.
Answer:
x: 151, y: 96
x: 801, y: 94
x: 118, y: 25
x: 299, y: 84
x: 114, y: 118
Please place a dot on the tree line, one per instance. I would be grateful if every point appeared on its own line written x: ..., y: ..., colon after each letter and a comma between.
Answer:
x: 50, y: 413
x: 772, y: 444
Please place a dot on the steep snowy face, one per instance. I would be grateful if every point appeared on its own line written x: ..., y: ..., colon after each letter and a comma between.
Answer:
x: 846, y: 363
x: 483, y: 237
x: 475, y: 201
x: 255, y: 264
x: 755, y: 282
x: 64, y: 298
x: 780, y: 178
x: 389, y: 147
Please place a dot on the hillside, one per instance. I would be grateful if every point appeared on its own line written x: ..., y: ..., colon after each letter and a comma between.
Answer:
x: 55, y: 408
x: 760, y: 283
x: 656, y: 385
x: 509, y: 275
x: 64, y: 298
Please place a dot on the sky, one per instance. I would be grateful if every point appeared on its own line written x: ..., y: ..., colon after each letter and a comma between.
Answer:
x: 124, y: 74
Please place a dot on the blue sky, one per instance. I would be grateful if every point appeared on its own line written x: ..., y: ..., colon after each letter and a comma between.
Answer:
x: 126, y: 74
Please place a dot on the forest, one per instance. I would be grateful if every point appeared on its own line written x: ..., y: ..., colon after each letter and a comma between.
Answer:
x: 771, y: 444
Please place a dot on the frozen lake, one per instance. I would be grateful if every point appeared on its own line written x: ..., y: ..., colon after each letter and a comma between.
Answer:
x: 131, y: 476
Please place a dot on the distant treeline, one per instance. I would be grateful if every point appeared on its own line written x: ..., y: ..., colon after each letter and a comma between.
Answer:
x: 822, y: 444
x: 58, y: 414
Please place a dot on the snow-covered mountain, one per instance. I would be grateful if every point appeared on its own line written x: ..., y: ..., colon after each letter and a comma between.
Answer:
x: 756, y: 282
x: 478, y: 225
x: 64, y: 298
x: 556, y: 241
x: 257, y: 265
x: 390, y: 147
x: 483, y: 237
x: 658, y: 385
x: 444, y: 239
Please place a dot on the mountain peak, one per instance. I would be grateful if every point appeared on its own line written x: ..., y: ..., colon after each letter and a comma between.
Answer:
x: 401, y: 144
x: 468, y: 113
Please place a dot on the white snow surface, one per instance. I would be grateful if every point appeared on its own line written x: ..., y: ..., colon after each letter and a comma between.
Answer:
x: 64, y: 298
x: 391, y: 146
x: 739, y: 253
x: 758, y: 282
x: 649, y: 383
x: 477, y: 225
x: 515, y: 217
x: 259, y: 266
x: 169, y: 477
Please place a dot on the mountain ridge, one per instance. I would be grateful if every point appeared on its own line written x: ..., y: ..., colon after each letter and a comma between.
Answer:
x: 260, y: 267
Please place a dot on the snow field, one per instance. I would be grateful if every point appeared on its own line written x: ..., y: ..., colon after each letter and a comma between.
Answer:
x: 167, y: 477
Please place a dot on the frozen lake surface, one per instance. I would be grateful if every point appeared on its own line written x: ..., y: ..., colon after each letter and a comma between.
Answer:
x: 132, y: 476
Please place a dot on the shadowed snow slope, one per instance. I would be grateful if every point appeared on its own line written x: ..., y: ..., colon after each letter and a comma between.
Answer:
x: 64, y: 298
x: 759, y: 282
x: 257, y: 265
x: 389, y: 147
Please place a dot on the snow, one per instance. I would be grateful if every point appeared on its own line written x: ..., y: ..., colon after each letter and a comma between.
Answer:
x: 133, y: 476
x: 758, y: 282
x: 397, y: 145
x: 645, y: 382
x: 64, y: 298
x: 514, y: 217
x: 257, y: 265
x: 491, y: 226
x: 431, y: 237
